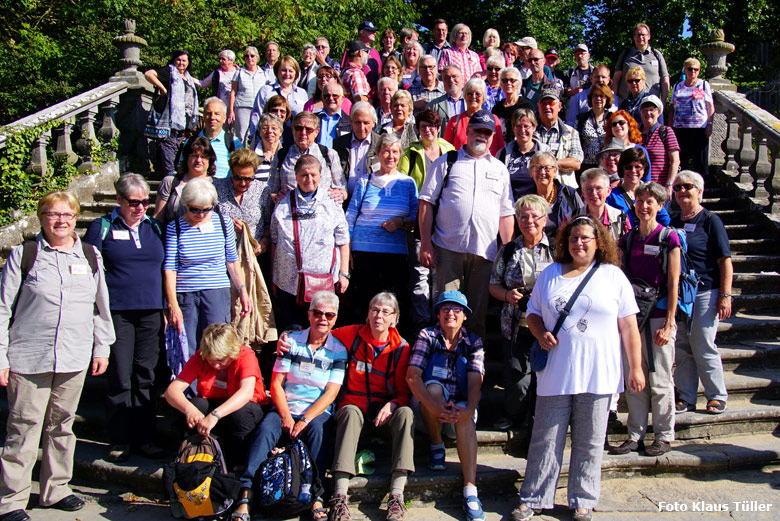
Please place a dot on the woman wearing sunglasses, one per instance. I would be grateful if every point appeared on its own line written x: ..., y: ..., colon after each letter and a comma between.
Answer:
x: 306, y: 380
x: 132, y: 248
x: 200, y: 262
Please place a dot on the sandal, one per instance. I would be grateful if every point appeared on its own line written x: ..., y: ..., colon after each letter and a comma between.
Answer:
x: 716, y: 406
x: 681, y: 407
x: 320, y: 513
x: 246, y: 499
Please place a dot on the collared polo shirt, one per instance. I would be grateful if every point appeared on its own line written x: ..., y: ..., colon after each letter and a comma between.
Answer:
x: 219, y: 145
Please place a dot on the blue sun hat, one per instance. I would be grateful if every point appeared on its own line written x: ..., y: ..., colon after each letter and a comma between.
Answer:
x: 454, y: 297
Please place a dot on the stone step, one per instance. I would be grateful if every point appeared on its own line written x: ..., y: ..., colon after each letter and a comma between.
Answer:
x: 721, y: 202
x: 753, y: 263
x: 733, y: 216
x: 743, y: 326
x: 744, y: 230
x: 755, y: 302
x: 748, y: 246
x: 763, y: 280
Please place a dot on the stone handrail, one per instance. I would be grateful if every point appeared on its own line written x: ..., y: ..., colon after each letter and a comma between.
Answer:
x: 751, y: 147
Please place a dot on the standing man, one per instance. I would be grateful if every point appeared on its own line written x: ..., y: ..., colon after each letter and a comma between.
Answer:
x: 578, y: 78
x: 459, y: 54
x: 322, y: 46
x: 333, y: 121
x: 452, y: 103
x: 353, y: 78
x: 426, y: 87
x: 367, y: 35
x: 563, y: 140
x: 357, y: 150
x: 271, y: 57
x: 651, y: 60
x: 578, y: 104
x: 223, y: 143
x: 439, y: 43
x: 534, y: 84
x: 551, y: 59
x: 526, y: 45
x: 474, y: 207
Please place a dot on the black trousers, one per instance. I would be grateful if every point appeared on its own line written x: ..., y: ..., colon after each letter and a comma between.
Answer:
x: 694, y: 149
x: 376, y: 272
x: 233, y: 429
x: 519, y: 380
x: 131, y: 373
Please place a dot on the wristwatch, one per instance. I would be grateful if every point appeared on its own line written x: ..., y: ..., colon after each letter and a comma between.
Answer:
x: 305, y: 420
x: 215, y: 414
x: 345, y: 275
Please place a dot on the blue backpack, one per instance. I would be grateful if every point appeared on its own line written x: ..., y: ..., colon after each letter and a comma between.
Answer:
x: 287, y: 483
x: 689, y: 280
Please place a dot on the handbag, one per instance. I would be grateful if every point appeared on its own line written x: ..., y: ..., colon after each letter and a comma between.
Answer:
x: 308, y: 283
x: 538, y: 356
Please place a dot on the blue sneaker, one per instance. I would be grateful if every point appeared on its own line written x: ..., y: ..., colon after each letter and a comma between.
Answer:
x: 473, y: 508
x: 436, y: 460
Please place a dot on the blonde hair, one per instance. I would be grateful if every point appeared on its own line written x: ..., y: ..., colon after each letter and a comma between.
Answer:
x: 53, y: 198
x: 220, y: 341
x: 636, y: 72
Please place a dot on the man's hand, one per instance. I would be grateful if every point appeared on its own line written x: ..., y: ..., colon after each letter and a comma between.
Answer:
x: 99, y: 366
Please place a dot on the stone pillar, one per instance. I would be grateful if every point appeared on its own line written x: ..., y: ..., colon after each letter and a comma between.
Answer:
x: 715, y: 50
x: 86, y: 121
x: 63, y: 148
x: 38, y: 160
x: 130, y: 47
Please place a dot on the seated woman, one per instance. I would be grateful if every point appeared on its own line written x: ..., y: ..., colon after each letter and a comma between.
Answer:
x: 230, y: 391
x: 305, y: 382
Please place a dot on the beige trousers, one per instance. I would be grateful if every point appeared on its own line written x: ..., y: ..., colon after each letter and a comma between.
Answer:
x: 42, y: 408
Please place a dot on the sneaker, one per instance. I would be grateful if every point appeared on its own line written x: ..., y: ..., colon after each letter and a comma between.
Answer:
x: 473, y: 508
x: 395, y: 508
x: 503, y: 424
x: 658, y: 447
x: 522, y: 515
x: 436, y: 460
x: 625, y: 447
x: 581, y: 516
x: 339, y: 511
x: 118, y: 453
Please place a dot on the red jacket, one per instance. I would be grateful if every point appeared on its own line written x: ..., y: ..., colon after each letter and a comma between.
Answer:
x: 383, y: 387
x: 245, y: 366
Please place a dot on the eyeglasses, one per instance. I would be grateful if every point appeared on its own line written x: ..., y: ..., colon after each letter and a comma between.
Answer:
x: 424, y: 127
x: 304, y: 128
x: 321, y: 47
x: 457, y: 310
x: 583, y: 239
x: 509, y: 80
x: 687, y: 186
x: 56, y: 216
x: 223, y: 59
x: 199, y: 211
x: 531, y: 218
x: 135, y: 203
x: 383, y: 312
x: 546, y: 168
x: 619, y: 123
x: 633, y: 81
x: 611, y: 155
x: 594, y: 190
x: 242, y: 179
x: 428, y: 67
x: 250, y: 56
x: 330, y: 315
x: 325, y: 76
x: 474, y: 94
x: 494, y: 69
x: 329, y: 96
x: 692, y: 69
x: 535, y: 59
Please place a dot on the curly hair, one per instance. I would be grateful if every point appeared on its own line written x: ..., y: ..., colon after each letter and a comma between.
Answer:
x: 606, y: 252
x: 634, y: 135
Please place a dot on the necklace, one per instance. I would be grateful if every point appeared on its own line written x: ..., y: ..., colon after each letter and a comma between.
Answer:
x: 689, y: 215
x: 552, y: 195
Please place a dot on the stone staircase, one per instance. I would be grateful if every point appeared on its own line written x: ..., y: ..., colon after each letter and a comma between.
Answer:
x: 746, y: 435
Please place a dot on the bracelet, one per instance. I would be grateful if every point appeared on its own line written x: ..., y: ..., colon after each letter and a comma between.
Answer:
x: 305, y: 420
x: 242, y: 286
x: 345, y: 275
x: 215, y: 414
x: 726, y: 295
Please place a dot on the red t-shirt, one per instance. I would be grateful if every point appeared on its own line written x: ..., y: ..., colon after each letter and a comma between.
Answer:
x: 224, y: 385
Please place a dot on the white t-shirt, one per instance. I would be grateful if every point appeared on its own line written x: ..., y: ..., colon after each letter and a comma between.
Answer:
x: 587, y: 358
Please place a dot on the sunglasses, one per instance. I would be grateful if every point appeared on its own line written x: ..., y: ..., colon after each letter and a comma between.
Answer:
x: 199, y: 211
x: 135, y: 203
x: 242, y: 179
x: 619, y: 123
x: 304, y: 128
x: 633, y: 81
x: 494, y: 69
x: 687, y: 186
x: 330, y: 315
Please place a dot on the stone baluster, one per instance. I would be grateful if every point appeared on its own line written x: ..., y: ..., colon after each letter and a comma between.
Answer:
x: 86, y: 122
x: 63, y: 147
x: 731, y: 144
x: 38, y: 159
x: 762, y: 168
x: 108, y: 130
x: 773, y: 183
x: 746, y: 156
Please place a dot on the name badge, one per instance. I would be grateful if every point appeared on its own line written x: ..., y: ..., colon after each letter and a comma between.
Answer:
x: 220, y: 384
x: 540, y: 266
x: 440, y: 372
x: 689, y: 227
x: 120, y: 235
x: 493, y: 176
x: 362, y: 366
x: 79, y: 269
x: 206, y: 227
x: 306, y: 367
x: 652, y: 250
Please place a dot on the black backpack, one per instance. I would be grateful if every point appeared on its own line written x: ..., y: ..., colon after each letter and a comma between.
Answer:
x: 30, y: 253
x: 287, y: 483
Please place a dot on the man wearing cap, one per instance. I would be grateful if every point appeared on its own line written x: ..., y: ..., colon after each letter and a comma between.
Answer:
x: 534, y: 84
x: 578, y: 104
x: 661, y: 144
x: 474, y: 206
x: 356, y: 86
x: 578, y: 79
x: 608, y: 158
x: 452, y: 103
x: 551, y: 59
x: 563, y: 140
x: 436, y: 47
x: 445, y: 374
x: 367, y: 35
x: 651, y: 60
x: 526, y: 45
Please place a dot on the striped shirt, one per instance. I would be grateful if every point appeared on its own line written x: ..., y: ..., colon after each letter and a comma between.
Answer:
x: 371, y: 206
x: 198, y: 256
x: 308, y: 373
x: 659, y: 149
x: 467, y: 61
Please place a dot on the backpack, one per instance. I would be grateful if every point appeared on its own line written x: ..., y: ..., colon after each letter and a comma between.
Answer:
x: 197, y: 481
x: 287, y: 483
x: 30, y: 253
x: 105, y: 225
x: 323, y: 150
x: 230, y: 144
x: 452, y: 156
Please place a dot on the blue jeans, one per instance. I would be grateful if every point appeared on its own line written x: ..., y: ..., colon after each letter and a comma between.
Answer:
x: 697, y: 356
x: 202, y: 308
x: 264, y: 439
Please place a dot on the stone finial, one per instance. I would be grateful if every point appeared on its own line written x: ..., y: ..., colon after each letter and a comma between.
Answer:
x: 715, y: 49
x: 130, y: 47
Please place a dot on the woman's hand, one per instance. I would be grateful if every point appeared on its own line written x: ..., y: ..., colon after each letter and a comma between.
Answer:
x: 547, y: 341
x: 238, y: 225
x: 724, y: 307
x: 4, y: 374
x: 246, y: 304
x: 664, y: 334
x: 337, y: 194
x: 636, y: 380
x: 513, y: 296
x: 283, y: 345
x: 342, y: 285
x: 287, y: 424
x: 262, y: 246
x: 99, y: 366
x: 385, y: 413
x: 393, y: 224
x: 175, y: 318
x: 206, y: 423
x: 298, y: 428
x: 194, y: 416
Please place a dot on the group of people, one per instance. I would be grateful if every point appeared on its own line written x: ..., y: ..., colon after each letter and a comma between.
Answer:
x: 418, y: 179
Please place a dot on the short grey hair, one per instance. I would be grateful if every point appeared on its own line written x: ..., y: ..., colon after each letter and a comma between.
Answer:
x: 476, y: 83
x: 308, y: 46
x: 227, y: 53
x: 130, y: 182
x: 270, y: 118
x: 325, y: 297
x: 543, y: 155
x: 497, y: 61
x: 510, y: 70
x: 386, y: 79
x: 199, y: 192
x: 534, y: 202
x: 214, y: 99
x: 422, y: 59
x: 388, y: 140
x: 253, y: 49
x: 654, y: 190
x: 592, y: 174
x: 363, y: 107
x: 322, y: 39
x: 385, y: 298
x: 403, y: 96
x: 696, y: 179
x: 420, y: 52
